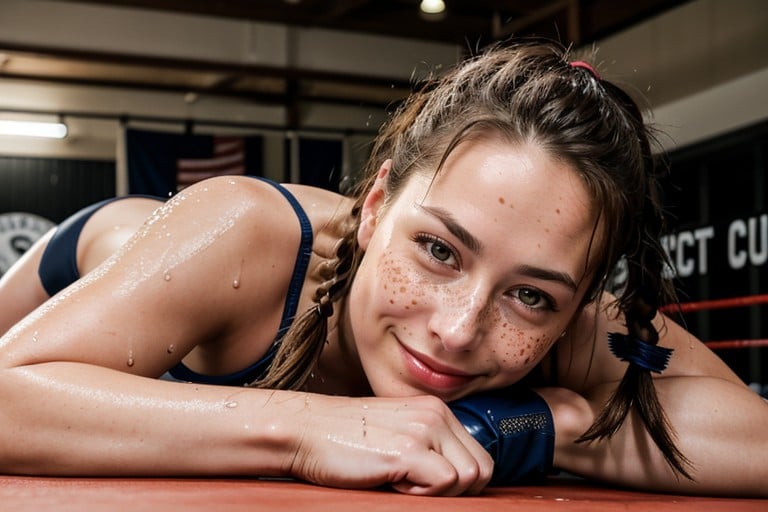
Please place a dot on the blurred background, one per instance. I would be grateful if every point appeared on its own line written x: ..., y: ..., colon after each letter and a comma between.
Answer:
x: 150, y: 95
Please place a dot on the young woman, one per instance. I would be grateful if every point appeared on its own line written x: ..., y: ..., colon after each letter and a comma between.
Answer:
x: 256, y: 329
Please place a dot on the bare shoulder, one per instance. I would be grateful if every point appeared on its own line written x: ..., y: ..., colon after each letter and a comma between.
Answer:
x: 210, y: 264
x: 584, y: 359
x: 328, y: 212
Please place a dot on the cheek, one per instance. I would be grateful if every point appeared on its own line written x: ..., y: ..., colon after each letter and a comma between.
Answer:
x: 402, y: 288
x: 518, y: 348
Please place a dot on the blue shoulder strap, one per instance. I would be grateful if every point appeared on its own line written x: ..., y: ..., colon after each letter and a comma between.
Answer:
x: 257, y: 369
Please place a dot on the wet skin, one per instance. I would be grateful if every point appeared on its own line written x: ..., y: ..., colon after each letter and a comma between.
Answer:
x: 468, y: 280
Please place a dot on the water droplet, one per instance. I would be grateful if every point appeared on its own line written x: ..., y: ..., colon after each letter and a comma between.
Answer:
x: 171, y: 348
x: 236, y: 284
x: 167, y: 276
x: 130, y: 361
x: 34, y: 336
x: 231, y: 405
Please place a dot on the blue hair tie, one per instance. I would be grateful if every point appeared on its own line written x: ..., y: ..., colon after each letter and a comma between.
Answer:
x: 636, y: 351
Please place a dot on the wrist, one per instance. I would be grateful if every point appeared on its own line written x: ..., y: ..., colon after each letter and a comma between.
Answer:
x: 572, y: 416
x: 280, y: 434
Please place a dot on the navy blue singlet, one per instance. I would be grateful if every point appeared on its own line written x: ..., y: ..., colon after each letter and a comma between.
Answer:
x: 58, y: 265
x: 58, y: 269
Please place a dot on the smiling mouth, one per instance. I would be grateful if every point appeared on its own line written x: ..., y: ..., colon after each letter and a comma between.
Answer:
x: 431, y: 373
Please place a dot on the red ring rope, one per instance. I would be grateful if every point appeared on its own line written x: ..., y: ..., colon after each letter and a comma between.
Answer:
x: 734, y: 302
x: 730, y: 344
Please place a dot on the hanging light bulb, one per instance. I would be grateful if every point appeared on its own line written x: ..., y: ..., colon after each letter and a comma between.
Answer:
x: 432, y: 6
x: 432, y: 10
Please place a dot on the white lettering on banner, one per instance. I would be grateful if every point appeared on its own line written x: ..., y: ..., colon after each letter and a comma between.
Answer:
x: 690, y: 251
x: 736, y: 258
x: 755, y: 230
x: 686, y: 263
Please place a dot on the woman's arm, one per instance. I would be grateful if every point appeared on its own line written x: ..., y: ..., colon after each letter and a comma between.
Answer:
x: 78, y: 377
x: 717, y: 419
x: 718, y: 429
x: 67, y: 418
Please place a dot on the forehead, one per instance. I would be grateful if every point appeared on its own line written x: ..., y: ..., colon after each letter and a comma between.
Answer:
x: 515, y: 196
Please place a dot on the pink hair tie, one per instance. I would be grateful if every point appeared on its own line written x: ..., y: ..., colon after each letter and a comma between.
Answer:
x: 582, y: 64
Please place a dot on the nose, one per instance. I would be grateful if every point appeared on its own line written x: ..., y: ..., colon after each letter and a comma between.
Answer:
x: 458, y: 321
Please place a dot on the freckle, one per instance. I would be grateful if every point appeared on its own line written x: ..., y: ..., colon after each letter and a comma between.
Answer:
x: 402, y: 289
x: 414, y: 302
x: 546, y: 230
x: 558, y: 211
x: 501, y: 200
x: 527, y: 360
x: 522, y: 351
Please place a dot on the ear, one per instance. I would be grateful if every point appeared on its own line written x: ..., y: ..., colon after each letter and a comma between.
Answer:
x: 374, y: 200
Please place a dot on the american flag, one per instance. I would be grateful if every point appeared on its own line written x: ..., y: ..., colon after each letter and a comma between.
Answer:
x: 228, y: 159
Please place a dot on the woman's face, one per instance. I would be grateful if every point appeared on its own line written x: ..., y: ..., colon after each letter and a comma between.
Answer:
x: 468, y: 280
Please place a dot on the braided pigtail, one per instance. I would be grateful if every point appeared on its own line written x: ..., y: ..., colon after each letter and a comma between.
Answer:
x: 300, y: 348
x: 644, y: 293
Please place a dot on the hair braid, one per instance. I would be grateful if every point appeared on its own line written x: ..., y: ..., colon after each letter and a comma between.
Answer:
x: 643, y: 294
x: 300, y: 348
x: 302, y: 345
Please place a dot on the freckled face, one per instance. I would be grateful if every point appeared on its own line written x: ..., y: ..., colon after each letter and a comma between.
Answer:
x: 465, y: 284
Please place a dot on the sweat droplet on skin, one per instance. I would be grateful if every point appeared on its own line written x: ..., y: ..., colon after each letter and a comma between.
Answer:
x: 236, y: 280
x: 231, y: 405
x: 171, y: 348
x: 130, y: 362
x: 167, y: 276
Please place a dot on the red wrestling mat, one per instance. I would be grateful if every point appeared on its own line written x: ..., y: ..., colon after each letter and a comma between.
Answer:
x: 21, y: 494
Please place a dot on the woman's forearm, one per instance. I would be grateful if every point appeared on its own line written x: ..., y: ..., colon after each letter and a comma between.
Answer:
x: 69, y: 418
x: 719, y: 427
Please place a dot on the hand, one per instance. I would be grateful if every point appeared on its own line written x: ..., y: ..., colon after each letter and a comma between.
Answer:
x: 414, y: 444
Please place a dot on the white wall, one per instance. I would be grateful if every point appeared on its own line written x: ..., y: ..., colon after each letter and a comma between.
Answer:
x: 702, y: 67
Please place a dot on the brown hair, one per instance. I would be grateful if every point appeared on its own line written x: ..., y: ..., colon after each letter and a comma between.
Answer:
x: 527, y: 91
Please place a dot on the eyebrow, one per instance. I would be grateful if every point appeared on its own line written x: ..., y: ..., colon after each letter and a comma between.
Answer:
x: 456, y: 229
x: 474, y: 245
x: 549, y: 275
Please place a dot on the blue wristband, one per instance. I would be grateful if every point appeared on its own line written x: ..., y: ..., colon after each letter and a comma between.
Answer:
x: 515, y: 426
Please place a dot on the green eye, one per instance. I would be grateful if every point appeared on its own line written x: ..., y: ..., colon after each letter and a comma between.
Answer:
x: 529, y: 297
x: 440, y: 252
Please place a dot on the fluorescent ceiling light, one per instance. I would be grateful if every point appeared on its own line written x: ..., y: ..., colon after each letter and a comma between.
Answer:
x: 33, y: 129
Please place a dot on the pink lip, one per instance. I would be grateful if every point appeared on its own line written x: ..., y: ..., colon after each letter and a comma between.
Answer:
x: 431, y: 373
